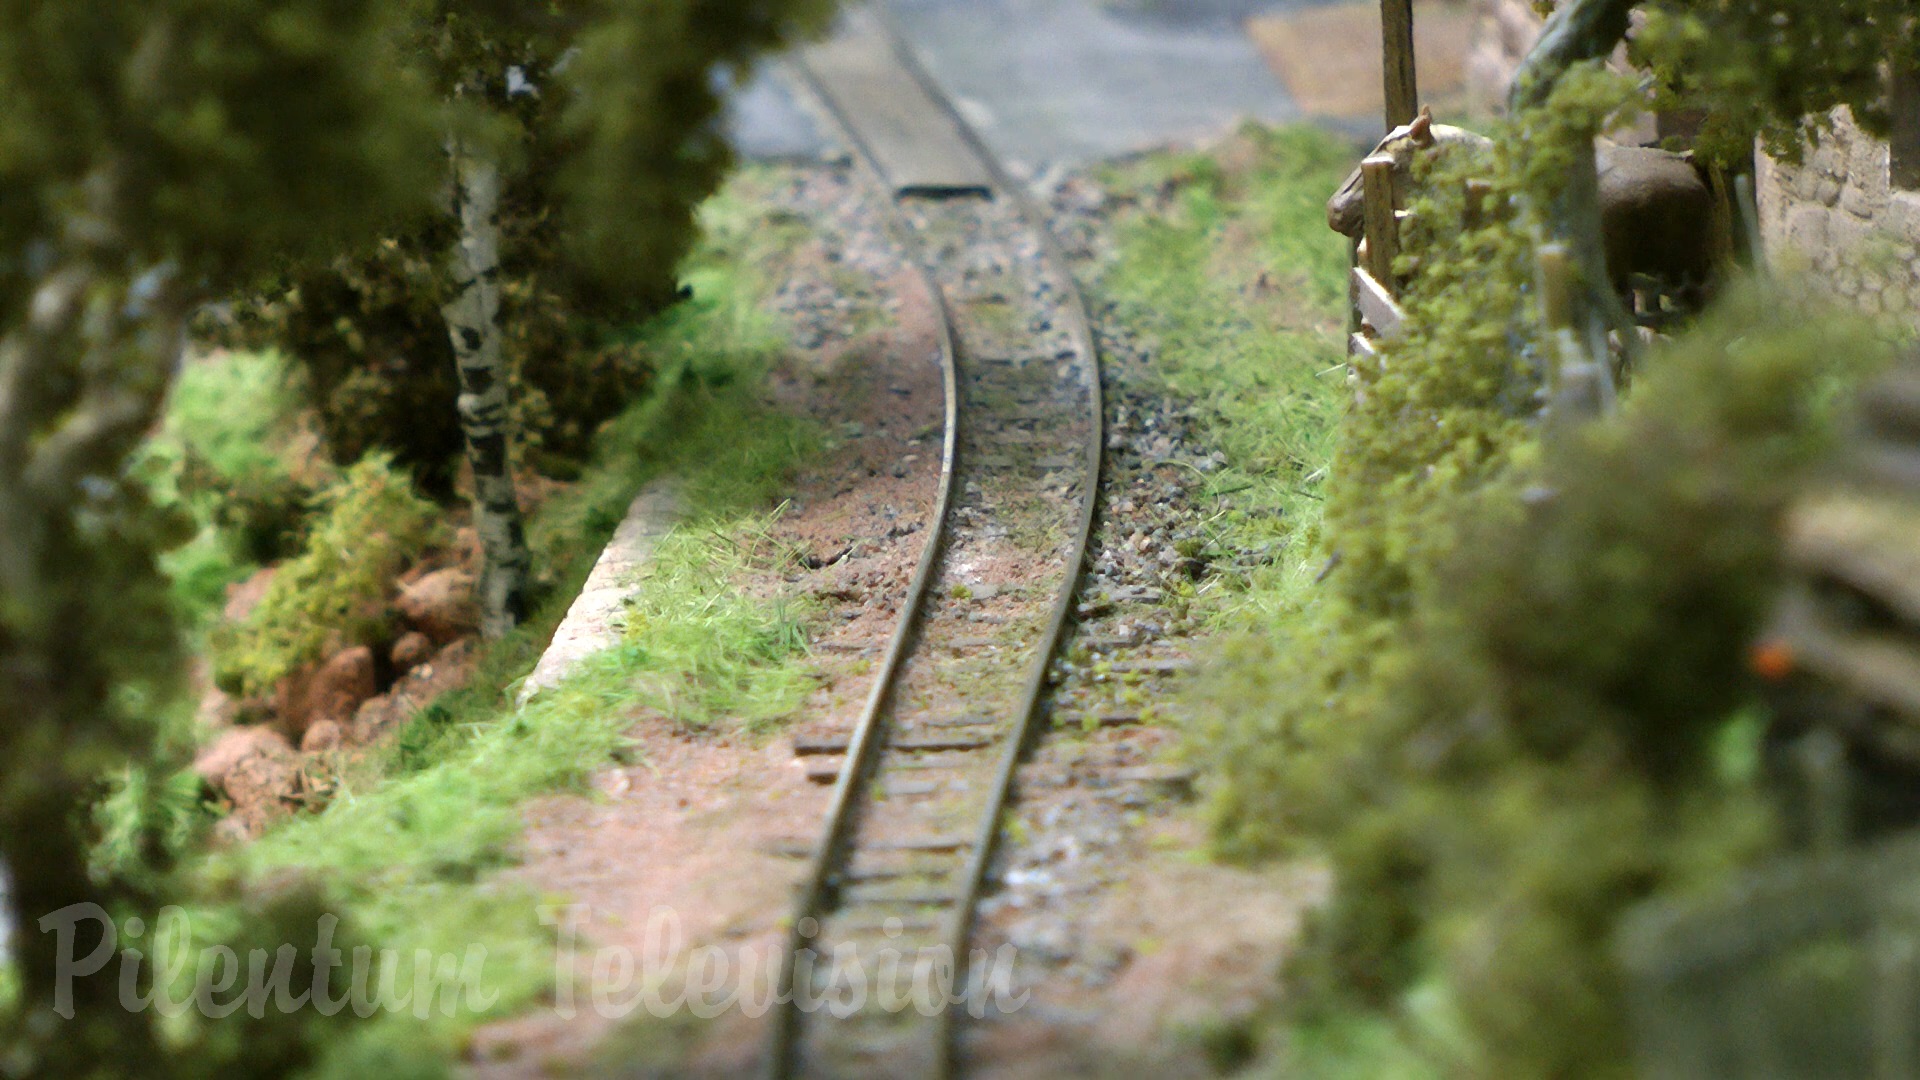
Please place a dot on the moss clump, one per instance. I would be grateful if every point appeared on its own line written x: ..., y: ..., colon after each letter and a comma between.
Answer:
x: 334, y: 594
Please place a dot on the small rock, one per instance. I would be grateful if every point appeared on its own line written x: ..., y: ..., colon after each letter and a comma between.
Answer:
x: 374, y: 716
x: 413, y: 649
x: 323, y: 735
x: 337, y: 689
x: 219, y: 759
x: 441, y: 605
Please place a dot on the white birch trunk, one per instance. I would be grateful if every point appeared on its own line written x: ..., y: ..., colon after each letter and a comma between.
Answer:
x: 473, y: 322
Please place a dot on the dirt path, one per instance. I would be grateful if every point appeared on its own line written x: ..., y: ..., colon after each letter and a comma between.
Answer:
x: 713, y: 827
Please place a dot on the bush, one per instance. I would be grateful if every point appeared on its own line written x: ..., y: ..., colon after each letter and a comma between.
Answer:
x: 335, y: 593
x: 380, y: 369
x: 1535, y: 735
x: 227, y: 458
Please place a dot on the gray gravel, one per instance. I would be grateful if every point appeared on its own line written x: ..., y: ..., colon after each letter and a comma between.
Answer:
x: 1100, y: 778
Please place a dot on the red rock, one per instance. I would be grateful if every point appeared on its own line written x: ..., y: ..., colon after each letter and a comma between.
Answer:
x: 336, y: 690
x: 413, y: 649
x: 441, y: 605
x: 373, y: 718
x: 219, y: 759
x: 323, y: 735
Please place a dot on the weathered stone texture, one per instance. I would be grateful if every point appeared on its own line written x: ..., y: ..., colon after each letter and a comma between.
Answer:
x: 597, y: 618
x: 1837, y: 213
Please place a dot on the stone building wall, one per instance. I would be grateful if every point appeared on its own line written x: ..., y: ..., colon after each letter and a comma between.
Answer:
x: 1837, y: 214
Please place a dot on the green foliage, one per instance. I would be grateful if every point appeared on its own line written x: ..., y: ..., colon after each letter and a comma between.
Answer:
x: 606, y: 164
x: 1775, y: 69
x: 222, y: 458
x: 380, y: 369
x: 1535, y: 733
x: 229, y: 137
x: 644, y: 125
x: 334, y: 594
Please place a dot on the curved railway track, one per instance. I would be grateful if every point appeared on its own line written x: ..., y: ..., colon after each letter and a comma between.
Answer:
x: 877, y: 966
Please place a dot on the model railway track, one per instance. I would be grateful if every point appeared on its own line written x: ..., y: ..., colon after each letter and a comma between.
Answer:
x: 885, y: 916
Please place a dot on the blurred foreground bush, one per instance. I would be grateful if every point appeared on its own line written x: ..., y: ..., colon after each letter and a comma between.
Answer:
x: 1528, y: 709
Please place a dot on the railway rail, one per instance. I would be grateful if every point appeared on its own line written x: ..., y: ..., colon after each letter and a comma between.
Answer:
x: 926, y: 771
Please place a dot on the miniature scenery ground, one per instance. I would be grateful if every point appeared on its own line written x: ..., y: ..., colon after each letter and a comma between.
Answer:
x: 1104, y: 865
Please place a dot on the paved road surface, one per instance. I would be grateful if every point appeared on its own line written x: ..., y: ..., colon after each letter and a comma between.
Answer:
x: 1063, y: 81
x: 1077, y: 80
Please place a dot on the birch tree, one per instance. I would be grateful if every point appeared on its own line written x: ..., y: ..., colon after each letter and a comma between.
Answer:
x: 473, y: 322
x: 634, y: 140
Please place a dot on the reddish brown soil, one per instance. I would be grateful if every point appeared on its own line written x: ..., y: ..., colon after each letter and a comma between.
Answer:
x: 716, y: 826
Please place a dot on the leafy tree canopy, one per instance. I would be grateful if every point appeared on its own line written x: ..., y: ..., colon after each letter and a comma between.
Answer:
x: 225, y: 134
x: 1772, y: 69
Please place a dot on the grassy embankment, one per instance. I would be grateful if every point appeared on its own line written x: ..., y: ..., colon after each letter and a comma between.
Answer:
x: 1517, y: 706
x: 1227, y: 270
x: 404, y: 848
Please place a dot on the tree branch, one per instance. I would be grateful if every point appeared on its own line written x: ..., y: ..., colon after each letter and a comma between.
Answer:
x: 1578, y: 30
x: 29, y: 360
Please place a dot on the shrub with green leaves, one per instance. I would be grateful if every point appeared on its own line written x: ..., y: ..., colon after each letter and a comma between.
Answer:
x: 224, y: 458
x: 335, y: 593
x: 1516, y: 705
x: 1554, y: 722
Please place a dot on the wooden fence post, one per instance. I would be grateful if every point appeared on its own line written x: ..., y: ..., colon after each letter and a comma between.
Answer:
x: 1396, y: 44
x: 1382, y: 228
x: 1477, y: 193
x: 1579, y: 386
x: 1353, y: 290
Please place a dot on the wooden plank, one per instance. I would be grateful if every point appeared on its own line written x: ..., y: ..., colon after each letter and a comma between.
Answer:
x: 1381, y: 227
x: 914, y: 140
x: 1377, y: 306
x: 1556, y: 286
x: 1359, y: 345
x: 1396, y: 45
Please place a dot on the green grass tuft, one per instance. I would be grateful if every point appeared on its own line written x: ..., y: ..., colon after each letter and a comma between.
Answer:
x: 407, y: 848
x: 1233, y: 279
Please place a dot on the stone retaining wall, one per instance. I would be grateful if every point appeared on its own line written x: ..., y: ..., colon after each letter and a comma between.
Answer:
x: 1837, y: 214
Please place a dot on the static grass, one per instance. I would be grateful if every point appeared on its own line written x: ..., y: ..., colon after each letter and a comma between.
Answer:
x: 1231, y: 275
x: 406, y: 849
